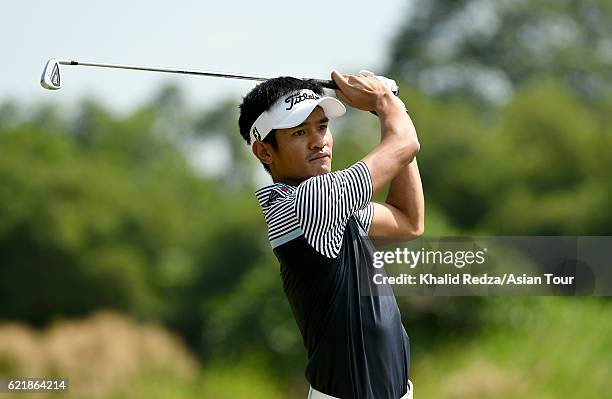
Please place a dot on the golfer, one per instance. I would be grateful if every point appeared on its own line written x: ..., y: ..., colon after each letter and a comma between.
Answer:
x: 357, y: 346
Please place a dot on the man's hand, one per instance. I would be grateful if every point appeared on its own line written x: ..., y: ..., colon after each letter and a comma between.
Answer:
x: 390, y: 83
x: 364, y: 92
x: 393, y: 160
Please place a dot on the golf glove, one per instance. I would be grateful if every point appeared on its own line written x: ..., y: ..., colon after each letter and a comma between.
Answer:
x: 390, y: 83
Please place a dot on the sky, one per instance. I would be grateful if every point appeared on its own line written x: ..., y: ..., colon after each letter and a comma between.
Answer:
x: 269, y: 38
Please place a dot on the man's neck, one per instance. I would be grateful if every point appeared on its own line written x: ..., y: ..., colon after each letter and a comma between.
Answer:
x: 288, y: 182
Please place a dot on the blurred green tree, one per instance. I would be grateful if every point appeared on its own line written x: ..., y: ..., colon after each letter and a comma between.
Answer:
x: 483, y: 50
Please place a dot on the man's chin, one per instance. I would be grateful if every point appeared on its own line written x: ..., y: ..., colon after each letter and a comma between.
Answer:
x: 322, y: 169
x: 314, y: 170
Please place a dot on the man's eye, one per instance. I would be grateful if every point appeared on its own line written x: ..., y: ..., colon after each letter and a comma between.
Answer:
x: 323, y: 127
x: 299, y: 132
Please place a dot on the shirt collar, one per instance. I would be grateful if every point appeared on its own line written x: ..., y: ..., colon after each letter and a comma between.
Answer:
x: 268, y: 194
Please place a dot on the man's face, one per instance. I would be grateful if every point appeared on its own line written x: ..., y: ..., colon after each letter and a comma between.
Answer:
x: 302, y: 151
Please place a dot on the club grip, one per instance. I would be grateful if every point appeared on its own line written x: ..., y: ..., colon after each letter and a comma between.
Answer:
x: 330, y: 84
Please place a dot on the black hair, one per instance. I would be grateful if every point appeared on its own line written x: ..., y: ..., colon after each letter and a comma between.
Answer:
x: 262, y: 97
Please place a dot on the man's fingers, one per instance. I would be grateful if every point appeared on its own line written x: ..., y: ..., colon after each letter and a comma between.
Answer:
x: 340, y: 80
x: 358, y: 91
x: 352, y: 79
x: 342, y: 97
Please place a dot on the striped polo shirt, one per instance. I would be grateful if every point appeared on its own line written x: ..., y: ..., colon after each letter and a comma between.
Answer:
x: 357, y: 346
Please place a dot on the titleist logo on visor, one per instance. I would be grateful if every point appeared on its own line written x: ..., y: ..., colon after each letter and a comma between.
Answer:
x: 298, y: 98
x: 256, y: 134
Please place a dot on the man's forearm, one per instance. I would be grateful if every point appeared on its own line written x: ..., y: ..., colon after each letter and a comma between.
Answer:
x: 406, y: 194
x: 398, y: 145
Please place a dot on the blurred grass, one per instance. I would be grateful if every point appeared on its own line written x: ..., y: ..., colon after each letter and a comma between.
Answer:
x: 228, y: 382
x: 108, y: 356
x: 547, y: 347
x: 538, y: 347
x: 99, y: 354
x: 219, y: 382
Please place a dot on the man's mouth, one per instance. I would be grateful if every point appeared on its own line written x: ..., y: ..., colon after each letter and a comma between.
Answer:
x: 320, y: 155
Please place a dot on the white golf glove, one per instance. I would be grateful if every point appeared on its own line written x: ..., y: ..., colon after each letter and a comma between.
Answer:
x: 390, y: 83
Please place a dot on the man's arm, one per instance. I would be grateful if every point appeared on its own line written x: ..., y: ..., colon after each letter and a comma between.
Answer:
x: 403, y: 212
x: 393, y: 159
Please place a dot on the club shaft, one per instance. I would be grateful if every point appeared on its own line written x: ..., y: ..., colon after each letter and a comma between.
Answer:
x: 330, y: 84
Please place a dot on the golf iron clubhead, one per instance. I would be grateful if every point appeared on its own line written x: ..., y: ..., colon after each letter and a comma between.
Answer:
x: 51, y: 78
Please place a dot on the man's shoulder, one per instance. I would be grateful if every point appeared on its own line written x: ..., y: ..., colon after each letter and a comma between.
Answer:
x: 270, y: 196
x: 276, y: 203
x: 343, y: 181
x: 280, y: 195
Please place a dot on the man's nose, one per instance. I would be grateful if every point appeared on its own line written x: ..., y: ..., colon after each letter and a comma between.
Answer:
x: 318, y: 139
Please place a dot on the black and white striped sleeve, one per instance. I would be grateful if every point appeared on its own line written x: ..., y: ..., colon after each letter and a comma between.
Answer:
x: 323, y: 205
x: 365, y: 216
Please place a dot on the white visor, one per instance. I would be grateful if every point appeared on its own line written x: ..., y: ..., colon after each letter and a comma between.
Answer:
x: 293, y: 109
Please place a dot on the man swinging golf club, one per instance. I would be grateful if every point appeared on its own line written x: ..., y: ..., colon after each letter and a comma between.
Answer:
x: 357, y: 346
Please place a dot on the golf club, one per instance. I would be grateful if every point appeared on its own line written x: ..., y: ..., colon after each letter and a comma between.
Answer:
x: 51, y: 80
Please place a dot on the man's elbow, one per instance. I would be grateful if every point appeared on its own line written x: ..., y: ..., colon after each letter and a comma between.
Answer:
x: 415, y: 231
x: 409, y: 150
x: 410, y: 230
x: 419, y: 230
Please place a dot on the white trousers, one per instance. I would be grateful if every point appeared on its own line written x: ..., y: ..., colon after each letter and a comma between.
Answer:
x: 314, y: 394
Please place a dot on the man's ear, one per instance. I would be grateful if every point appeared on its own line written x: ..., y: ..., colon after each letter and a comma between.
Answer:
x: 263, y: 151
